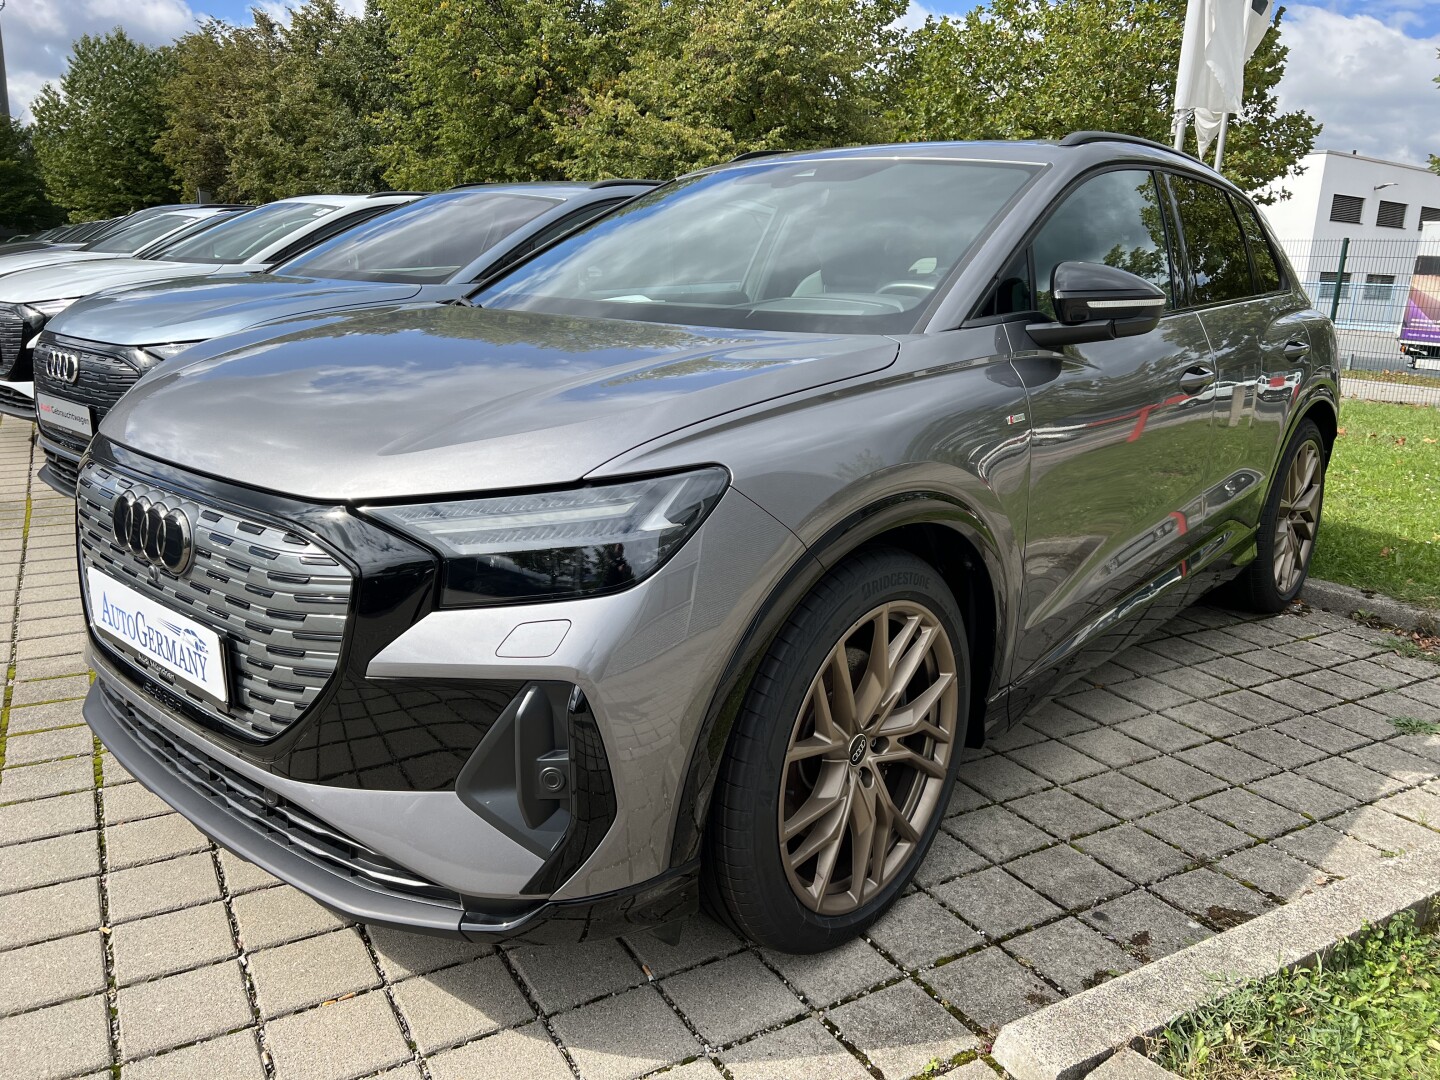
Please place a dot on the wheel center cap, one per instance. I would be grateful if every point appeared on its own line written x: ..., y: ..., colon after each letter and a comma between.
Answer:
x: 858, y: 746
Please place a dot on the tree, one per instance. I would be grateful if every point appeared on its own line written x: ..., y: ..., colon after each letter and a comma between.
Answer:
x: 23, y: 205
x: 703, y: 80
x: 483, y: 84
x: 94, y: 134
x: 1026, y: 69
x: 267, y: 110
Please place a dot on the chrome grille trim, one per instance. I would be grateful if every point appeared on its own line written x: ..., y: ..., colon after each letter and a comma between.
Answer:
x: 280, y: 602
x: 12, y: 337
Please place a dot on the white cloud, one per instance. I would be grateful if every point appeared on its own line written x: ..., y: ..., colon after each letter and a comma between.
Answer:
x: 1370, y: 85
x: 915, y: 16
x: 38, y: 34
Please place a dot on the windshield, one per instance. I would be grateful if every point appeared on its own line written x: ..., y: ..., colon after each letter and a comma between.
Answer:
x: 245, y: 235
x: 848, y: 245
x: 128, y: 239
x: 426, y: 243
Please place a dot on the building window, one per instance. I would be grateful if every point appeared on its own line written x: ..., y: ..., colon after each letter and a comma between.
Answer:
x: 1391, y: 215
x: 1347, y: 208
x: 1327, y: 288
x: 1378, y: 286
x: 1428, y: 214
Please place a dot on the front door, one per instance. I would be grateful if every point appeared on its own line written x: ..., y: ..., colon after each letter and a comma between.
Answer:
x: 1122, y: 448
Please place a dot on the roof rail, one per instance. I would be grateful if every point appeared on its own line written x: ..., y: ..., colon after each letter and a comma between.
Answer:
x: 1084, y: 138
x: 382, y: 194
x: 618, y: 182
x: 750, y: 154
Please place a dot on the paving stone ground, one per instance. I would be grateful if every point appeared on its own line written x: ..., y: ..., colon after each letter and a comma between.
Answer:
x: 1226, y: 765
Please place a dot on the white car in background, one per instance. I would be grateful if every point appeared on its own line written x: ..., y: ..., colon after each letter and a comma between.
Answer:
x: 252, y: 241
x: 132, y: 235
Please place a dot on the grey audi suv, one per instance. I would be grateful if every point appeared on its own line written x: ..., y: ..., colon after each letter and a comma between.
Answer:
x: 683, y: 559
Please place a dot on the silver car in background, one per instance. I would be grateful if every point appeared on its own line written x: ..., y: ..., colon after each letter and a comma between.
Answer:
x: 434, y: 250
x: 254, y: 240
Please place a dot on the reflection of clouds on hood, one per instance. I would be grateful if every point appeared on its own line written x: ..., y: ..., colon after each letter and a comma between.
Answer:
x: 468, y: 398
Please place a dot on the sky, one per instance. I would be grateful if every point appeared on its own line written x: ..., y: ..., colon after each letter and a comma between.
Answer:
x: 1364, y: 68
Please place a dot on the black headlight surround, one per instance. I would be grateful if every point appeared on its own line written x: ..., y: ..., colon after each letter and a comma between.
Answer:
x: 563, y: 572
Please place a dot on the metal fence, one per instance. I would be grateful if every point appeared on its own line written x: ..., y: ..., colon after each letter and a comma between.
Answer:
x: 1369, y: 288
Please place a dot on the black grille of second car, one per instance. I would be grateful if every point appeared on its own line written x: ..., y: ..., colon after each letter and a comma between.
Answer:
x: 278, y: 818
x: 12, y: 338
x: 102, y: 375
x: 279, y: 601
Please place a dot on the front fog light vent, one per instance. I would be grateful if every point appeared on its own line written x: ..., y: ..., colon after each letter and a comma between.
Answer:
x: 520, y: 776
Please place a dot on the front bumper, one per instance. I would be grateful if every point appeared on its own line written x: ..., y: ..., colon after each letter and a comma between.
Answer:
x: 640, y: 666
x: 340, y: 873
x: 18, y: 399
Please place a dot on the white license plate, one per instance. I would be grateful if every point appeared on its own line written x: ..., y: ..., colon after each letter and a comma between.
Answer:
x: 188, y: 649
x: 57, y: 412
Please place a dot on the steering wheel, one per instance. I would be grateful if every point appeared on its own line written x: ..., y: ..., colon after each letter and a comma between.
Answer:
x: 919, y: 288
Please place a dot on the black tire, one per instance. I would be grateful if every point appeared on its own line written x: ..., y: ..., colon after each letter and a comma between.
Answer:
x: 745, y: 878
x: 1257, y: 589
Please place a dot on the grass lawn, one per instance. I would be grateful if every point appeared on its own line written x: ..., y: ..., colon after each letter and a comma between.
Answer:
x: 1398, y: 378
x: 1381, y: 525
x: 1371, y: 1010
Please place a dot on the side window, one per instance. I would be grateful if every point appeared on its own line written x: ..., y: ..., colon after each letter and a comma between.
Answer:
x: 1114, y: 219
x: 1219, y: 262
x: 1262, y: 256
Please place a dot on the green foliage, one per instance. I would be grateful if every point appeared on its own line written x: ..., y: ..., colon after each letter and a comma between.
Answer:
x: 1372, y: 1009
x: 703, y: 80
x: 264, y: 111
x: 95, y: 133
x: 23, y: 205
x: 522, y: 89
x: 482, y: 84
x: 1411, y: 725
x: 1380, y: 530
x: 429, y: 93
x: 1025, y: 69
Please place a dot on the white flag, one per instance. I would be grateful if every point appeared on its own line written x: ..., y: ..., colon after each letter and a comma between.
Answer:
x: 1220, y: 36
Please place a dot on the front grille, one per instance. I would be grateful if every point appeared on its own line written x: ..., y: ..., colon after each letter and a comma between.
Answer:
x: 12, y: 338
x: 103, y: 376
x: 279, y: 819
x: 279, y: 602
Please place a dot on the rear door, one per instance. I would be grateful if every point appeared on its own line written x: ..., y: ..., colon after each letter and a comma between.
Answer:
x: 1256, y: 327
x: 1121, y: 450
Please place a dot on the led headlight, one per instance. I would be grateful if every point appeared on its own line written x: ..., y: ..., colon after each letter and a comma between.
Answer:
x: 150, y: 355
x: 559, y: 544
x: 46, y: 309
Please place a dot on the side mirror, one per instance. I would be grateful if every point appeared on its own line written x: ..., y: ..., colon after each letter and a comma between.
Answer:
x: 1096, y: 302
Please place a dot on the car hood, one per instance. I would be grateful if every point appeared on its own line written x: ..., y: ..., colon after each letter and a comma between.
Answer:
x: 418, y: 401
x: 204, y: 308
x: 63, y: 280
x: 28, y: 260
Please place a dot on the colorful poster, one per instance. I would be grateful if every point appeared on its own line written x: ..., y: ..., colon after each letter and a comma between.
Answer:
x: 1422, y: 310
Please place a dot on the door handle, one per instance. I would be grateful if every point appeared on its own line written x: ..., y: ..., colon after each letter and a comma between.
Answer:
x: 1296, y: 350
x: 1196, y: 379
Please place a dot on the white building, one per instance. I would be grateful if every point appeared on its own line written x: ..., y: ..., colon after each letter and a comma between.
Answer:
x: 1380, y: 207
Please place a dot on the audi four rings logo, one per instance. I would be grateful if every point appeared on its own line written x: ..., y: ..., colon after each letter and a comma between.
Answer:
x: 157, y: 533
x: 63, y: 366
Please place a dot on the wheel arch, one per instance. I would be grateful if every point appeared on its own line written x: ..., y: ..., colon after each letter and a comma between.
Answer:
x: 933, y: 526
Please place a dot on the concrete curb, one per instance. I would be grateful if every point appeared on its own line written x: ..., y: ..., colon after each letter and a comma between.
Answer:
x: 1345, y: 600
x: 1066, y: 1041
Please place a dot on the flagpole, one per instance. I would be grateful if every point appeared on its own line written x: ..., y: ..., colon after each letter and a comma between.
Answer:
x: 1220, y: 140
x: 1180, y: 120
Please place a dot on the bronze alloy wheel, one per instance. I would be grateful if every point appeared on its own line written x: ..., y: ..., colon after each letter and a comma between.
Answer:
x: 1298, y: 517
x: 868, y: 756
